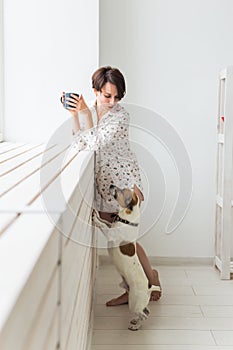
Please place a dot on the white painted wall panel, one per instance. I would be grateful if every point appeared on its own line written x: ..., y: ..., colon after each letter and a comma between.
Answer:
x: 171, y: 53
x: 50, y: 46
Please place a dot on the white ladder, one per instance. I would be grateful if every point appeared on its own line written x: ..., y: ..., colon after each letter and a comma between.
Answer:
x: 224, y: 191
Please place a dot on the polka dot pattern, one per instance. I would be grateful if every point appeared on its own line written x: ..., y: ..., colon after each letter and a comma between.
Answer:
x: 115, y: 162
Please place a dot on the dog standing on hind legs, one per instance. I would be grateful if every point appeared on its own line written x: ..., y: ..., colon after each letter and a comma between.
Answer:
x: 121, y: 236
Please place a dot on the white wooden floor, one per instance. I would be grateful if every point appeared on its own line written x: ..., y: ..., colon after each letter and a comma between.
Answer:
x: 195, y: 312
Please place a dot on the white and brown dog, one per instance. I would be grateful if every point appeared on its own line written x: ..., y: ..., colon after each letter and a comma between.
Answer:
x: 121, y: 236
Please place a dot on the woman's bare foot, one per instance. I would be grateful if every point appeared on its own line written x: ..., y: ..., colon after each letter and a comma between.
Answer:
x: 121, y: 300
x: 155, y: 296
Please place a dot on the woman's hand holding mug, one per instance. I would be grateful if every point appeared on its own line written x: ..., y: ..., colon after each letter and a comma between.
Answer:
x: 73, y: 103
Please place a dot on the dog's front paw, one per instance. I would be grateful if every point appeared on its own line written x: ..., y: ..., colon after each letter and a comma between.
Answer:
x: 97, y: 221
x: 134, y: 324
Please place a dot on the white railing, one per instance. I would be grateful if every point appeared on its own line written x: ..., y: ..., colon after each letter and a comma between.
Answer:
x: 47, y: 259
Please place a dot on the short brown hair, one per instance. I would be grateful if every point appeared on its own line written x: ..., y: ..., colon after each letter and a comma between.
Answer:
x: 111, y: 75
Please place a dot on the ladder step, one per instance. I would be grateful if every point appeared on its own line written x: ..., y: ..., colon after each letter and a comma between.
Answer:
x: 219, y: 200
x: 220, y: 138
x: 222, y: 74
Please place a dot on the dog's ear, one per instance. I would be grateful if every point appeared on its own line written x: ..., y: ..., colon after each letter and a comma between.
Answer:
x: 132, y: 203
x: 127, y: 197
x: 134, y: 200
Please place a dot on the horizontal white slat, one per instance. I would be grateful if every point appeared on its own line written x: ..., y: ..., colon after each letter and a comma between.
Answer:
x: 73, y: 300
x: 83, y: 324
x: 52, y: 338
x: 16, y: 152
x: 15, y: 165
x: 28, y: 191
x: 82, y: 229
x: 20, y: 248
x: 83, y: 192
x: 56, y: 196
x: 72, y: 255
x: 22, y: 193
x: 11, y: 179
x: 44, y: 316
x: 6, y: 147
x: 71, y: 280
x: 30, y: 288
x: 72, y: 252
x: 81, y: 314
x: 6, y: 219
x: 75, y: 257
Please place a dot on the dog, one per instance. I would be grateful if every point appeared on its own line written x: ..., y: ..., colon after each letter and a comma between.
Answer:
x: 121, y: 236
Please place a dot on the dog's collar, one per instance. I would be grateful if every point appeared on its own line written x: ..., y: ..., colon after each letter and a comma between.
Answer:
x: 117, y: 218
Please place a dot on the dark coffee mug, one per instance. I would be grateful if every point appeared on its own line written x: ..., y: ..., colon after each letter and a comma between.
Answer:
x: 68, y: 95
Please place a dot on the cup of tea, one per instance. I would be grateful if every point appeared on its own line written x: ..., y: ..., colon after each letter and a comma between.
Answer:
x: 68, y: 95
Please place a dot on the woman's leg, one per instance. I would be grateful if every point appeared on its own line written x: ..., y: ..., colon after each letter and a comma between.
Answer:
x: 151, y: 274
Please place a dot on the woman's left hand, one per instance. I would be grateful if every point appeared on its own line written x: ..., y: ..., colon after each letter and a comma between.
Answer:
x: 138, y: 193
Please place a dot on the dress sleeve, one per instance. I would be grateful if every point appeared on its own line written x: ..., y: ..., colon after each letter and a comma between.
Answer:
x: 86, y: 140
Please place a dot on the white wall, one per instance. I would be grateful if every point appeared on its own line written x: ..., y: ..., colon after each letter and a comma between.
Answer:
x: 1, y: 72
x: 171, y: 53
x: 50, y: 46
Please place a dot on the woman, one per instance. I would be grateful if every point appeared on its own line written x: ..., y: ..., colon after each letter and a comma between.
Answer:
x: 104, y: 128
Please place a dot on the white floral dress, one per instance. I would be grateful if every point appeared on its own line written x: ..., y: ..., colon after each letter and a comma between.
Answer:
x: 115, y: 162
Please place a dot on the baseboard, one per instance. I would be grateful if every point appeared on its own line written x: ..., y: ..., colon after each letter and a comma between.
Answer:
x: 161, y: 260
x: 169, y: 261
